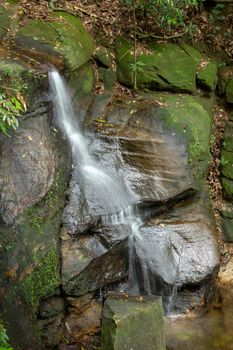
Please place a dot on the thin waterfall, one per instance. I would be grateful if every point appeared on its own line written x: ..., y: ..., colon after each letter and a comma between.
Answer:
x: 117, y: 203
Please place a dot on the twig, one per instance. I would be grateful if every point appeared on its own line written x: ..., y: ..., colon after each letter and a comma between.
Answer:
x: 162, y: 37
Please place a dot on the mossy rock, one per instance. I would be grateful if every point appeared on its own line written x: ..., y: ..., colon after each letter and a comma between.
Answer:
x: 207, y: 76
x: 186, y: 115
x: 227, y: 143
x: 103, y: 56
x: 130, y: 323
x: 224, y: 74
x: 5, y: 20
x: 108, y: 77
x: 63, y: 41
x: 227, y: 186
x: 227, y: 164
x: 229, y: 90
x: 167, y: 67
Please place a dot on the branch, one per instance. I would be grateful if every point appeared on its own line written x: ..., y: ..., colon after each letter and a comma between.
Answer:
x: 150, y: 35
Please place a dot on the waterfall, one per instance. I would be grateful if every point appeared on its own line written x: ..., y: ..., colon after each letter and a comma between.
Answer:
x: 117, y: 203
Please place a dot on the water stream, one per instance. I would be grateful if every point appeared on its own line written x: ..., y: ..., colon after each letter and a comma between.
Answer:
x: 117, y: 203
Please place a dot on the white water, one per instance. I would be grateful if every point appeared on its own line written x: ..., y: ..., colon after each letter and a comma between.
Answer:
x: 109, y: 191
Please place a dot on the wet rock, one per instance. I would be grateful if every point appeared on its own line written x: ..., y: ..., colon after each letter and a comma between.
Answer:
x: 108, y: 77
x: 226, y: 273
x: 93, y: 260
x: 207, y: 76
x: 132, y: 323
x: 179, y: 250
x: 62, y: 42
x: 166, y: 67
x: 33, y: 183
x: 28, y: 174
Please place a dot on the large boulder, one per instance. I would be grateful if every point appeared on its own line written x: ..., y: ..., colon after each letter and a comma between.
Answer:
x: 163, y: 67
x: 157, y: 147
x: 33, y: 184
x: 62, y: 41
x: 132, y: 323
x: 207, y: 75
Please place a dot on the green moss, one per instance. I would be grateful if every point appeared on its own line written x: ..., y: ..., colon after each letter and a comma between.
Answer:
x: 167, y: 67
x: 227, y: 186
x: 207, y: 76
x: 5, y: 18
x: 65, y: 36
x: 226, y: 163
x: 229, y: 91
x: 186, y: 114
x: 43, y: 280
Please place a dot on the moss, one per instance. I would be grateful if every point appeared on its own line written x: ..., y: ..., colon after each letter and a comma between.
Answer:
x: 187, y: 115
x: 226, y: 163
x: 229, y: 91
x: 227, y: 186
x: 65, y: 36
x: 43, y: 280
x: 167, y: 67
x: 5, y: 19
x: 207, y: 76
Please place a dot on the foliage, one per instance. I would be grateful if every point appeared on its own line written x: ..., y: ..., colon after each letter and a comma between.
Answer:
x: 4, y: 340
x: 167, y: 12
x: 10, y: 109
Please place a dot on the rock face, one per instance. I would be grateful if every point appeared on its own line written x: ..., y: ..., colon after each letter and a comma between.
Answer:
x: 33, y: 182
x: 131, y: 323
x: 158, y: 149
x: 62, y: 42
x: 165, y: 67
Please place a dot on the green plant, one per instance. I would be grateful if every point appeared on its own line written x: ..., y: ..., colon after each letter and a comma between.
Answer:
x: 224, y: 161
x: 166, y: 12
x: 10, y: 109
x: 135, y: 68
x: 4, y: 339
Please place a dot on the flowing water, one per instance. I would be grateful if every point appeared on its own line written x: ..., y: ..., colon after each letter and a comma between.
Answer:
x: 117, y: 203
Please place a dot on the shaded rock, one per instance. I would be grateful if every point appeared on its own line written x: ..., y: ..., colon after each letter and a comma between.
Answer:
x: 227, y: 186
x: 224, y: 73
x: 166, y: 67
x: 226, y: 273
x: 207, y: 76
x: 28, y: 174
x: 52, y: 330
x: 132, y: 323
x: 5, y: 19
x: 33, y: 184
x: 229, y: 90
x: 227, y: 164
x: 63, y: 41
x: 92, y: 261
x: 103, y: 56
x: 83, y: 325
x: 108, y: 77
x: 51, y: 307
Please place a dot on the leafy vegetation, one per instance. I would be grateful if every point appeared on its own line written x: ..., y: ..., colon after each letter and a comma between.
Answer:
x: 167, y: 12
x: 4, y: 339
x: 10, y: 109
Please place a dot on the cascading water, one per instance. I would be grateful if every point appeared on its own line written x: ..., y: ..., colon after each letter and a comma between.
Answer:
x: 117, y: 203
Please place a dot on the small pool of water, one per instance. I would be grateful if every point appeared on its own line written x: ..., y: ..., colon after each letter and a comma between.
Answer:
x: 211, y: 331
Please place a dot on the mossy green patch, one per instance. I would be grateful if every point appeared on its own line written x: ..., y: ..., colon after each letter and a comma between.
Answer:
x: 65, y: 36
x: 5, y: 18
x: 82, y: 80
x: 43, y: 280
x: 207, y: 76
x: 226, y: 163
x: 229, y: 90
x: 187, y: 115
x: 167, y: 67
x: 227, y: 186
